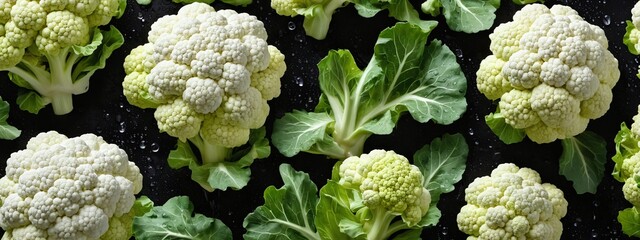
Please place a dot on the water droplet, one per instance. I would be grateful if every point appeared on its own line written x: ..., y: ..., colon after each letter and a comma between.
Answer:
x: 299, y: 81
x: 471, y: 132
x: 122, y: 127
x: 299, y: 38
x: 459, y: 53
x: 155, y: 147
x: 143, y: 145
x: 292, y: 26
x: 606, y: 20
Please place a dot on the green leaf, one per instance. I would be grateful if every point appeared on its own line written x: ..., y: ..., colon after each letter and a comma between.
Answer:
x: 582, y: 161
x: 383, y: 125
x: 366, y: 8
x: 242, y: 3
x: 631, y: 43
x: 523, y: 2
x: 143, y: 2
x: 19, y: 81
x: 7, y: 131
x: 630, y: 221
x: 288, y: 212
x: 86, y: 66
x: 470, y: 16
x: 442, y: 163
x: 441, y: 96
x: 432, y: 217
x: 122, y: 6
x: 334, y: 218
x: 175, y: 220
x: 182, y: 156
x: 88, y: 49
x: 505, y: 132
x: 626, y: 146
x: 298, y: 131
x: 402, y: 10
x: 141, y: 206
x: 30, y: 101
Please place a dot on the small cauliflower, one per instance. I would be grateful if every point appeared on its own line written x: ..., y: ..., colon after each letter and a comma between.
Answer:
x: 389, y: 185
x: 209, y: 74
x: 69, y: 188
x: 551, y: 71
x: 632, y: 35
x: 512, y: 203
x: 627, y: 171
x: 53, y: 47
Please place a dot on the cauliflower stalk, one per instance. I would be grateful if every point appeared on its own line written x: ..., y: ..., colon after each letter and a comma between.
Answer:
x: 404, y: 75
x: 208, y: 74
x: 512, y: 203
x: 632, y: 35
x: 54, y: 47
x: 372, y: 196
x: 70, y: 188
x: 627, y: 171
x: 552, y: 73
x: 318, y: 13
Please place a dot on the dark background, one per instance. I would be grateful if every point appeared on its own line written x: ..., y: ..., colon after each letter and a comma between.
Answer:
x: 104, y: 111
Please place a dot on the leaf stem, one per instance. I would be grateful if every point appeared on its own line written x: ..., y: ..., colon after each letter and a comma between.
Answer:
x: 210, y: 153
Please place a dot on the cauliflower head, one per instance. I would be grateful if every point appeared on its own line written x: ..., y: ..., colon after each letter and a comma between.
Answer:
x: 512, y: 203
x: 551, y: 71
x: 208, y: 73
x: 66, y: 188
x: 51, y: 26
x: 387, y: 181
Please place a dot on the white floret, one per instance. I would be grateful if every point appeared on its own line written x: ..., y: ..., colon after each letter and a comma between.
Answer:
x: 161, y: 27
x: 194, y: 9
x: 168, y: 79
x: 583, y: 84
x: 635, y: 14
x: 203, y: 95
x: 236, y: 79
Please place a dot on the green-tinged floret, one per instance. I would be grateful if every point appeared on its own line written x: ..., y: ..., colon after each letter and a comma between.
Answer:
x: 388, y: 182
x: 64, y: 37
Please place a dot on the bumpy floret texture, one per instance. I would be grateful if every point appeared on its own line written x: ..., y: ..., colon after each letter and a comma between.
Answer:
x: 512, y: 203
x: 551, y: 71
x: 66, y: 188
x: 387, y: 181
x: 51, y: 26
x: 205, y: 64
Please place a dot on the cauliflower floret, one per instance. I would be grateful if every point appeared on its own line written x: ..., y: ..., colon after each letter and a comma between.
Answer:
x: 558, y: 62
x: 178, y: 119
x: 267, y: 81
x: 520, y: 206
x: 490, y: 80
x: 66, y: 188
x: 387, y: 181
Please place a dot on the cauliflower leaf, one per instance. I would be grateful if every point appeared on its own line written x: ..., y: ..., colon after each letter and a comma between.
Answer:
x: 469, y: 16
x: 442, y: 164
x: 629, y: 218
x: 505, y: 132
x: 349, y: 207
x: 582, y: 161
x: 402, y: 76
x: 175, y: 220
x: 7, y: 131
